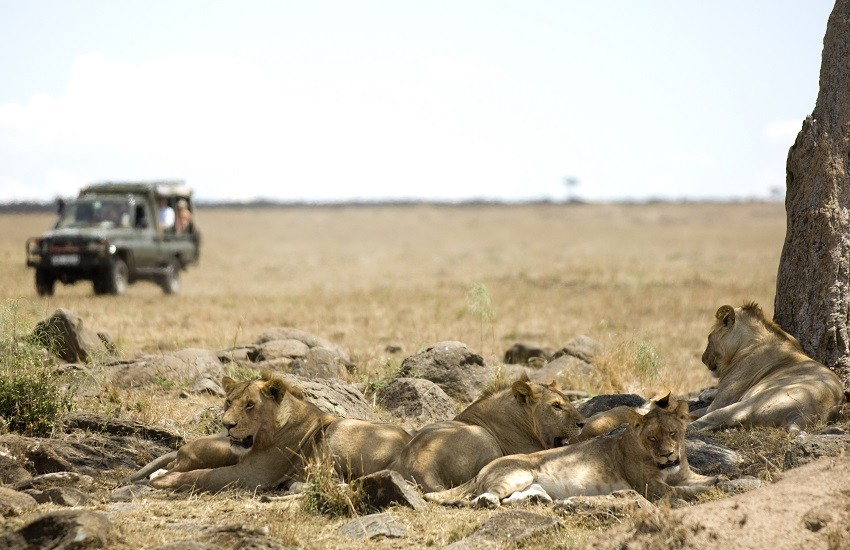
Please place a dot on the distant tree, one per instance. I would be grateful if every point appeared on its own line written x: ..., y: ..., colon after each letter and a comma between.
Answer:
x: 813, y: 283
x: 571, y: 183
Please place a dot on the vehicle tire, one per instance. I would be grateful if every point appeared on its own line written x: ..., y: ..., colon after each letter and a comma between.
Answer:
x: 100, y: 285
x: 170, y: 279
x: 118, y: 277
x: 45, y: 283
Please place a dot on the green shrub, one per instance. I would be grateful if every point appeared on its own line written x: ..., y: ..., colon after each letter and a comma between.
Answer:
x: 325, y: 495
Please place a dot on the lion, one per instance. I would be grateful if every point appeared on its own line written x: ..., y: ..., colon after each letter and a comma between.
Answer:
x: 764, y: 377
x: 523, y: 418
x: 647, y: 456
x: 272, y: 435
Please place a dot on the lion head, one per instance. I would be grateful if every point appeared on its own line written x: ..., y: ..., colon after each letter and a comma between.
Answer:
x: 251, y: 410
x: 556, y: 421
x: 661, y: 432
x: 736, y: 328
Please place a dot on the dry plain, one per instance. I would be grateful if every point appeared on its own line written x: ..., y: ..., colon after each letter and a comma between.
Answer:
x: 643, y: 279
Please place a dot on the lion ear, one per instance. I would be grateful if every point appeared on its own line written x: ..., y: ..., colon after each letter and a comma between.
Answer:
x: 683, y: 411
x: 662, y: 400
x: 554, y: 385
x: 726, y: 315
x: 275, y: 388
x: 523, y: 391
x: 228, y: 383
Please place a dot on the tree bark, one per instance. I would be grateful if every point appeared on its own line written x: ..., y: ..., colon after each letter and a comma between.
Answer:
x: 813, y: 282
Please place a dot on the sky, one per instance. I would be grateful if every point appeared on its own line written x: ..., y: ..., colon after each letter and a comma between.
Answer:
x: 335, y: 100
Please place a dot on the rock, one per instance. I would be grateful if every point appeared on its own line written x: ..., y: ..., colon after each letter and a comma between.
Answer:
x: 287, y: 333
x: 214, y: 537
x: 452, y: 366
x: 582, y: 347
x: 417, y: 400
x: 56, y: 479
x: 321, y: 363
x: 567, y: 370
x: 121, y: 426
x: 602, y: 403
x: 709, y: 458
x: 335, y: 397
x: 807, y: 447
x: 505, y: 529
x: 129, y: 493
x: 178, y: 368
x: 279, y: 349
x: 520, y: 353
x: 69, y: 529
x: 63, y: 496
x: 387, y: 488
x: 208, y: 386
x: 65, y: 335
x: 15, y: 503
x: 604, y: 508
x: 373, y: 526
x: 11, y: 468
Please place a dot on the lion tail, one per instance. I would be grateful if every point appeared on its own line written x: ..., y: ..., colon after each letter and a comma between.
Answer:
x: 456, y: 496
x: 150, y: 467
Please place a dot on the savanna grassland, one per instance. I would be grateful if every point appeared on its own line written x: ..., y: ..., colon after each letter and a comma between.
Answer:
x: 644, y: 280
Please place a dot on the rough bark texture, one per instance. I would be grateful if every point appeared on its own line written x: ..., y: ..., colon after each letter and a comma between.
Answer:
x: 813, y: 282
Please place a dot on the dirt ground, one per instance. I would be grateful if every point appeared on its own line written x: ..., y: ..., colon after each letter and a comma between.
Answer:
x: 808, y: 507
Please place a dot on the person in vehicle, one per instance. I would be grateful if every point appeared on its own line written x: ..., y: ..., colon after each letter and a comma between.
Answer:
x: 183, y: 223
x: 165, y: 214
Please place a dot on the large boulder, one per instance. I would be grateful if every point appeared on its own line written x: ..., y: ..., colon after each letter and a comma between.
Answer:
x: 65, y: 335
x: 62, y: 529
x: 572, y: 365
x: 521, y: 352
x: 416, y: 400
x: 461, y: 373
x: 335, y: 397
x: 175, y: 369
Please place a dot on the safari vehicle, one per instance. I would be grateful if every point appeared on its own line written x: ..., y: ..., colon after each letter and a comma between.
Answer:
x: 110, y: 235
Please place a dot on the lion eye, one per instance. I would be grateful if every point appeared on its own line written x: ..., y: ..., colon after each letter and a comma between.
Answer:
x: 557, y: 407
x: 249, y: 406
x: 672, y: 434
x: 653, y: 439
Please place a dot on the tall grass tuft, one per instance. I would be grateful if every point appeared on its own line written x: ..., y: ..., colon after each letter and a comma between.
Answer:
x: 479, y: 305
x: 325, y: 495
x: 33, y: 396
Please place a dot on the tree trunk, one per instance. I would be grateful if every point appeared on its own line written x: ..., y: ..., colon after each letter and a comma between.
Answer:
x: 813, y: 282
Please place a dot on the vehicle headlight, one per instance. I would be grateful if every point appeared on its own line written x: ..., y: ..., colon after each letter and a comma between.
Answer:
x: 100, y: 248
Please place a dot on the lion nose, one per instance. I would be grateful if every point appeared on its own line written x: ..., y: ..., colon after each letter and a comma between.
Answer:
x: 580, y: 424
x: 228, y: 425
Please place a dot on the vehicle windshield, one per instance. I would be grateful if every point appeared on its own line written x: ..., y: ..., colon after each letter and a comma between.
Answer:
x: 104, y: 213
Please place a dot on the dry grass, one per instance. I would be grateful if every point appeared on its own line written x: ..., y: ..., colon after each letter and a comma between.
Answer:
x: 644, y: 280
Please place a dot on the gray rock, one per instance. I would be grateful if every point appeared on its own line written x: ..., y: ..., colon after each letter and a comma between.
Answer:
x: 569, y: 371
x: 208, y: 386
x: 15, y: 503
x: 582, y: 347
x: 807, y: 447
x: 129, y: 493
x: 63, y: 496
x: 312, y: 341
x: 373, y: 526
x: 417, y: 400
x: 505, y: 529
x: 602, y: 403
x: 708, y: 457
x: 321, y: 363
x: 335, y: 397
x: 179, y: 368
x: 521, y: 352
x: 65, y: 335
x: 55, y: 479
x: 67, y: 529
x: 452, y: 366
x: 279, y: 349
x: 387, y: 488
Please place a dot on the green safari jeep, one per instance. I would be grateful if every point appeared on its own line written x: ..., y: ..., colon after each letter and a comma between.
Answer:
x: 111, y: 235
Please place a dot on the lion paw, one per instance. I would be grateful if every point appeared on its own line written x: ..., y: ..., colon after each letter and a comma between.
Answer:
x: 486, y: 500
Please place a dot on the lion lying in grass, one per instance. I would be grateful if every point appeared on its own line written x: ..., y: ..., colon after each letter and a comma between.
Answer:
x: 523, y: 418
x: 764, y: 377
x: 648, y: 456
x: 272, y: 433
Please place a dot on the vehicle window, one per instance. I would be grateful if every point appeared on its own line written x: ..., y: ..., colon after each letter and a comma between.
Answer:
x: 106, y: 213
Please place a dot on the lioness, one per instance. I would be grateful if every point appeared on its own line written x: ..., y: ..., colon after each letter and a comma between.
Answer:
x: 524, y: 418
x: 273, y: 433
x: 764, y: 377
x: 648, y: 456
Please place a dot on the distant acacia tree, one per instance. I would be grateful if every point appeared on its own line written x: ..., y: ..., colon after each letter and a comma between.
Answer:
x: 813, y: 283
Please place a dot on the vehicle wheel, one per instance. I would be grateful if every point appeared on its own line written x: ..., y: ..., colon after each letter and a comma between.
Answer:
x: 170, y: 281
x: 118, y: 277
x: 44, y: 282
x: 100, y: 285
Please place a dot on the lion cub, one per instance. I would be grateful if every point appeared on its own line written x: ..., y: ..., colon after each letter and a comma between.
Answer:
x: 648, y: 456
